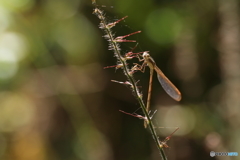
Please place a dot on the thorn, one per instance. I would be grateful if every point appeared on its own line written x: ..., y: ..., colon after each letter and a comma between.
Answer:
x: 125, y: 83
x: 164, y: 142
x: 134, y: 115
x: 110, y: 25
x: 121, y: 38
x: 116, y: 66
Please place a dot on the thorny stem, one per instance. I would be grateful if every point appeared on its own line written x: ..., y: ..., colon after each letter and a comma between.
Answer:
x: 115, y: 47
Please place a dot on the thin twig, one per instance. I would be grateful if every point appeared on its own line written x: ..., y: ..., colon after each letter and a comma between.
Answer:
x: 114, y: 45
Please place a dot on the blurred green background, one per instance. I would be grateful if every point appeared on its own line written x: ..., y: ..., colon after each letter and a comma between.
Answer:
x: 57, y: 101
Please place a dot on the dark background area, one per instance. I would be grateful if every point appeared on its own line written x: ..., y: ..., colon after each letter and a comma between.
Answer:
x: 57, y: 102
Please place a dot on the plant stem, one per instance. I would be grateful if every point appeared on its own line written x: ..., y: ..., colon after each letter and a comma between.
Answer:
x: 114, y: 45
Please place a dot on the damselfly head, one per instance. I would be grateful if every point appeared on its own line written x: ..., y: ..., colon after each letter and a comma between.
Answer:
x: 146, y: 55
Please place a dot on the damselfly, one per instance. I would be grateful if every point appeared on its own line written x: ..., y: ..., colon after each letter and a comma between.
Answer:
x: 167, y: 85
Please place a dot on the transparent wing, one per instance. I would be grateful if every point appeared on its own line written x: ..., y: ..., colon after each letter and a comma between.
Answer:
x: 167, y: 85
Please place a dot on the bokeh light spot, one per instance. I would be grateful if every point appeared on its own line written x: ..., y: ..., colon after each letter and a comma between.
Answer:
x: 4, y: 19
x: 15, y: 111
x: 176, y: 116
x: 76, y: 36
x: 163, y: 26
x: 16, y: 4
x: 13, y: 48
